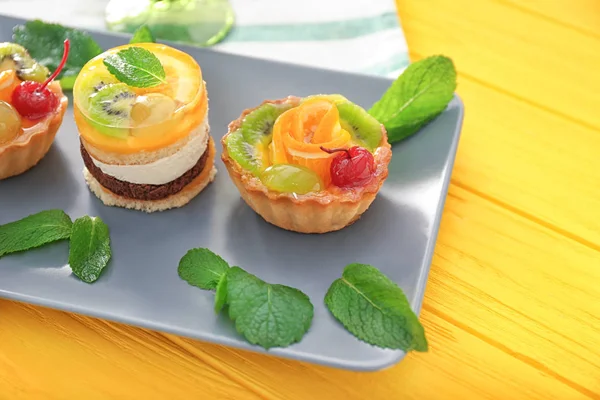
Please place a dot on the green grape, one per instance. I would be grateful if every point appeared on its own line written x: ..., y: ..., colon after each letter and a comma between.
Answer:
x: 10, y: 123
x: 288, y: 178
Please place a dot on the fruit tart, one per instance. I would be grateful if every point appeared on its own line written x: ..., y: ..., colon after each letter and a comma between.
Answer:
x: 142, y: 114
x: 309, y: 165
x: 32, y: 107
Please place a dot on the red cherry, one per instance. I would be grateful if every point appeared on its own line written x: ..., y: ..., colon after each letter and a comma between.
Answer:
x: 353, y: 167
x: 33, y: 100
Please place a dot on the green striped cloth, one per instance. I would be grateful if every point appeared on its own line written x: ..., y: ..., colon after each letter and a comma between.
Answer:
x: 361, y: 36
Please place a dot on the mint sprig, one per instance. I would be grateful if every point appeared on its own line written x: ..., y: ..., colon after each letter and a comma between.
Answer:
x: 136, y: 67
x: 375, y: 309
x: 267, y: 315
x: 142, y: 35
x: 34, y: 231
x: 89, y: 248
x: 416, y: 97
x: 89, y: 239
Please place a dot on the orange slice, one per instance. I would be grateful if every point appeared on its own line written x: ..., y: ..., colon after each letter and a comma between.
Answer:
x: 282, y: 127
x: 8, y: 83
x: 309, y: 117
x: 328, y: 126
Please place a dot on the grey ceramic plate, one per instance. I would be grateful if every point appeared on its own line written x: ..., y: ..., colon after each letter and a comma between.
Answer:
x: 141, y: 286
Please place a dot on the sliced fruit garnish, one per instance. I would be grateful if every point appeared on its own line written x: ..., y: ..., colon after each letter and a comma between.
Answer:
x: 258, y: 125
x: 110, y: 109
x: 91, y: 82
x: 150, y: 138
x: 288, y: 178
x: 296, y: 148
x: 365, y: 129
x: 300, y: 132
x: 308, y: 119
x: 8, y: 82
x: 10, y: 123
x: 253, y: 158
x: 15, y: 57
x: 329, y: 126
x: 152, y: 108
x: 282, y: 126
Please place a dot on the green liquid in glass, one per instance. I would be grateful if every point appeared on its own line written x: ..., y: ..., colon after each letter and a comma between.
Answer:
x: 197, y: 22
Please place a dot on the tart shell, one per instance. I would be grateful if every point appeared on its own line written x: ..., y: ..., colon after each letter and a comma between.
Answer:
x: 321, y: 212
x: 18, y: 158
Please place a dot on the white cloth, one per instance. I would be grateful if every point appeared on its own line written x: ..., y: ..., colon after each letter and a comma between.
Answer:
x: 361, y: 36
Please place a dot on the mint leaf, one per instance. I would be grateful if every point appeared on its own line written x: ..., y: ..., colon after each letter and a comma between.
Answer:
x: 416, y: 97
x: 143, y: 35
x: 89, y: 250
x: 34, y: 231
x: 136, y: 67
x: 221, y: 294
x: 375, y: 310
x: 202, y: 268
x: 265, y: 314
x: 44, y: 42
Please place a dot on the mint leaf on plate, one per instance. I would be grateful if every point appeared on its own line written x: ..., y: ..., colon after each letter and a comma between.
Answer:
x: 265, y: 314
x: 34, y: 231
x: 202, y: 268
x: 136, y: 67
x: 89, y: 248
x: 375, y: 310
x: 44, y: 42
x: 416, y: 97
x: 221, y: 294
x: 142, y: 35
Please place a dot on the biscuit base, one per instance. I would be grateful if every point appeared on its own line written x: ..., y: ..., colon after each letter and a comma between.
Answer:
x: 177, y: 200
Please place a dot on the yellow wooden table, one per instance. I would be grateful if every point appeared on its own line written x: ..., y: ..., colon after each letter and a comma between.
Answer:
x: 512, y: 308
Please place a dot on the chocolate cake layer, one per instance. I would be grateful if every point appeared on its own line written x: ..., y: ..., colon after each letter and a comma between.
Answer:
x: 140, y: 191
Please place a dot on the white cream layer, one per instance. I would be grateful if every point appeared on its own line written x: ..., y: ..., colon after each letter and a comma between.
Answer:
x: 166, y: 169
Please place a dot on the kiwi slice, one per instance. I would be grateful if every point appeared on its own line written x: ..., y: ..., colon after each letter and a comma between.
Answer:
x: 110, y: 109
x: 363, y: 128
x: 88, y: 84
x: 16, y: 57
x: 258, y: 125
x: 251, y: 157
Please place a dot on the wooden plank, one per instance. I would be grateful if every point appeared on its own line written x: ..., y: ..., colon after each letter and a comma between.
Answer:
x: 532, y: 58
x: 517, y: 147
x: 510, y: 312
x: 579, y: 15
x: 531, y: 161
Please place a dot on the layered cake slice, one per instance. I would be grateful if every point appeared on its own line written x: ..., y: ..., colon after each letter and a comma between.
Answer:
x: 142, y: 115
